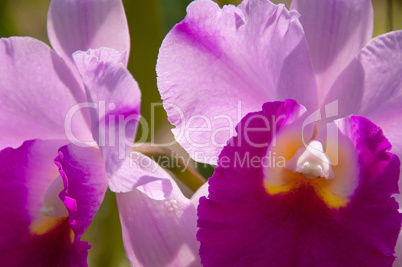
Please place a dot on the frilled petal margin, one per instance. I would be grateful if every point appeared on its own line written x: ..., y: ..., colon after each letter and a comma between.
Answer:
x: 85, y: 184
x: 47, y: 90
x: 27, y: 237
x: 242, y: 225
x: 230, y: 60
x: 114, y: 98
x: 158, y: 222
x: 82, y: 25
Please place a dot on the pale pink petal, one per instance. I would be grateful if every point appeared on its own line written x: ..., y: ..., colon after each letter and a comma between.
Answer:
x: 147, y: 175
x: 336, y: 30
x: 37, y: 91
x: 115, y: 99
x: 81, y: 25
x: 347, y: 91
x: 371, y: 86
x: 218, y: 64
x: 158, y: 222
x: 382, y: 96
x: 381, y: 62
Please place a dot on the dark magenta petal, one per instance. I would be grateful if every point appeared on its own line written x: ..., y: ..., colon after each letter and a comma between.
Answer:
x: 83, y: 172
x: 28, y: 238
x: 242, y: 225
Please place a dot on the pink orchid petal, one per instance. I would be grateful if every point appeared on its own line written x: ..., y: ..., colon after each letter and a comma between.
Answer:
x: 158, y: 222
x: 116, y: 97
x: 150, y: 178
x: 336, y: 30
x: 37, y: 91
x: 82, y: 25
x: 382, y: 96
x: 219, y: 64
x: 347, y: 91
x: 371, y: 86
x: 85, y: 182
x: 25, y: 175
x: 241, y: 224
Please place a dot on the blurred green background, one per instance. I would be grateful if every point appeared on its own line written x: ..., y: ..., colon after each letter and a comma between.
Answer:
x: 149, y: 21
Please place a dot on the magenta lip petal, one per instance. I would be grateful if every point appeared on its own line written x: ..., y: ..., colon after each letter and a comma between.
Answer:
x: 25, y: 174
x: 83, y: 173
x: 242, y: 225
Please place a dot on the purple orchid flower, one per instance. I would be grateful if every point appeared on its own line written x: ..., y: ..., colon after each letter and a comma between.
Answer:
x: 259, y: 52
x: 262, y: 210
x: 45, y: 211
x: 219, y: 64
x: 84, y: 108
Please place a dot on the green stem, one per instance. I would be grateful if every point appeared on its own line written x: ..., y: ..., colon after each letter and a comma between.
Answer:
x: 228, y: 2
x: 389, y: 16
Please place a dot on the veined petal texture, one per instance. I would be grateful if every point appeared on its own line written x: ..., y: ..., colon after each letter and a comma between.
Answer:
x: 82, y: 25
x: 230, y: 60
x: 37, y: 90
x: 336, y: 30
x: 114, y: 100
